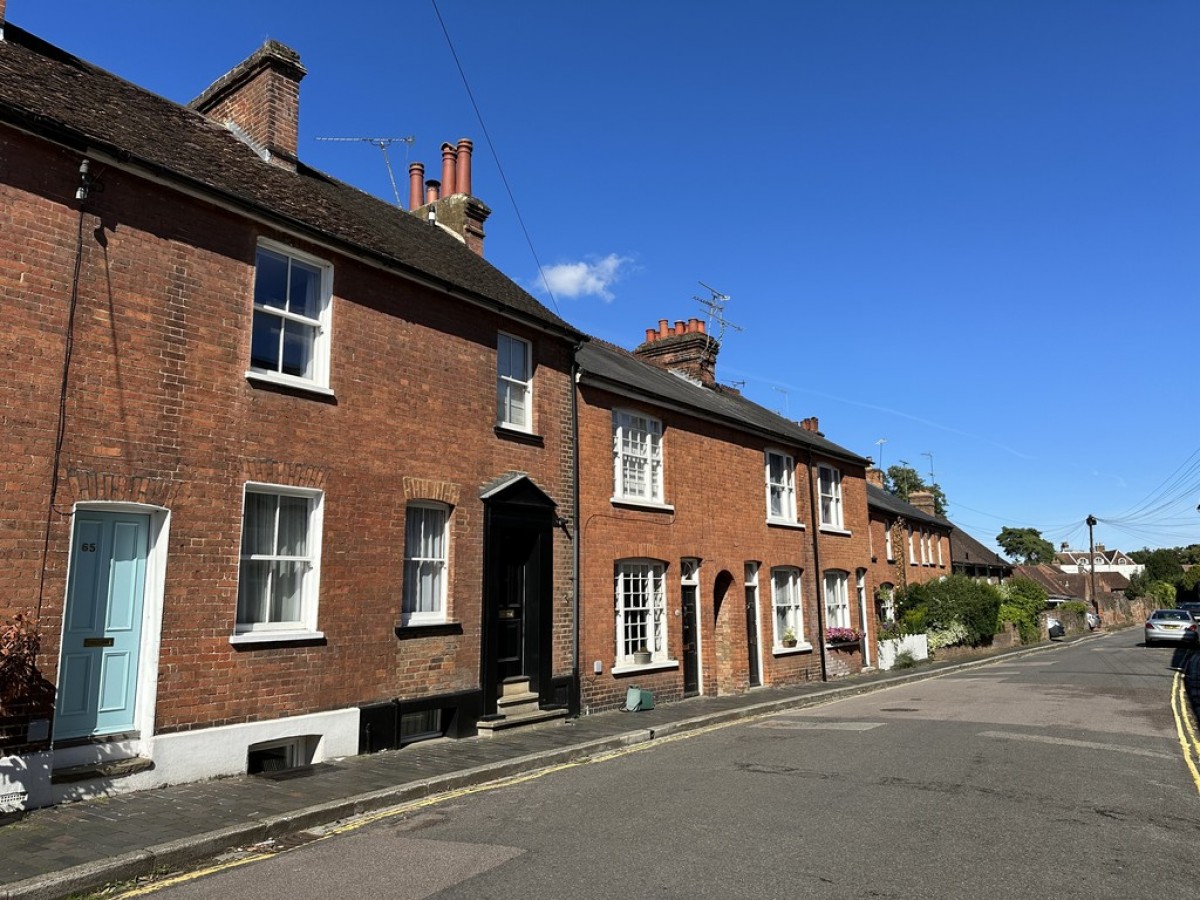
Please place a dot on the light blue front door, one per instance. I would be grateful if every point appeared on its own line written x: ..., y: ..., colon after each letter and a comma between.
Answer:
x: 102, y: 626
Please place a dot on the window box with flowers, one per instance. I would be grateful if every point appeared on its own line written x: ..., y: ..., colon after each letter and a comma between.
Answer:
x: 841, y: 636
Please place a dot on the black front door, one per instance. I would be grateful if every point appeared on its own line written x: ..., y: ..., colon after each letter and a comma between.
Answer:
x: 752, y: 633
x: 518, y: 545
x: 517, y: 589
x: 691, y: 648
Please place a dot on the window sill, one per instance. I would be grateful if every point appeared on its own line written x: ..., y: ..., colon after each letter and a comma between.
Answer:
x: 643, y: 504
x: 276, y: 637
x: 285, y: 381
x: 785, y: 523
x: 829, y: 529
x: 519, y: 436
x: 803, y: 647
x: 660, y: 665
x: 427, y: 629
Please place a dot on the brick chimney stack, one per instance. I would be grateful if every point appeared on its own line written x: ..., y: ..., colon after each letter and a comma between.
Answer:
x: 684, y: 348
x: 453, y: 206
x: 875, y: 477
x: 811, y: 424
x: 260, y: 99
x: 924, y: 501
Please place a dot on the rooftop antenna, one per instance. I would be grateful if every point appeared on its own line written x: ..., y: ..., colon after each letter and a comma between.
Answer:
x: 382, y: 144
x: 714, y: 306
x: 932, y: 479
x: 879, y: 443
x: 786, y: 404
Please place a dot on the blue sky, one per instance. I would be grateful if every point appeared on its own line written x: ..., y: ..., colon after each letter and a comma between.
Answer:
x: 968, y: 229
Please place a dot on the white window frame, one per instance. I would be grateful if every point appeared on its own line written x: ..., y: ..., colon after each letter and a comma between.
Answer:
x: 640, y: 601
x: 912, y: 557
x: 321, y: 324
x: 784, y: 489
x: 887, y: 600
x: 440, y: 564
x: 510, y: 386
x: 787, y: 607
x: 889, y: 549
x: 837, y: 599
x: 305, y: 625
x: 631, y: 426
x: 937, y: 541
x: 829, y: 481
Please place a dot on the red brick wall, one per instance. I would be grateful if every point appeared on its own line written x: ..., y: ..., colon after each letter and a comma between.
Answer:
x: 714, y: 478
x: 159, y: 411
x: 902, y: 569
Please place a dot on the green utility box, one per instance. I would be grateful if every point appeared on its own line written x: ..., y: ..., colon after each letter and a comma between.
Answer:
x: 637, y: 700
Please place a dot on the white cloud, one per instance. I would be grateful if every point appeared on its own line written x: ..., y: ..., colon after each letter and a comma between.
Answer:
x: 585, y: 279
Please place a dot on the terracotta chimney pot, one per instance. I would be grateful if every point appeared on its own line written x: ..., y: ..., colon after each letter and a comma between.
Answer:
x: 651, y: 334
x: 449, y: 164
x: 416, y: 178
x: 680, y: 326
x: 465, y: 148
x: 663, y: 328
x: 432, y: 190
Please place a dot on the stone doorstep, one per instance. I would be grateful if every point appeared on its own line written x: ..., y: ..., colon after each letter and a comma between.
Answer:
x: 517, y: 704
x: 119, y: 768
x: 487, y: 728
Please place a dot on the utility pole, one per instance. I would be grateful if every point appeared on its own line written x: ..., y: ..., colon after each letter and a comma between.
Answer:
x: 1091, y: 523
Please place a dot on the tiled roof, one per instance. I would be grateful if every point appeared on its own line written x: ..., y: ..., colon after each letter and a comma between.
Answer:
x: 878, y: 498
x: 606, y: 366
x: 51, y: 93
x: 968, y: 551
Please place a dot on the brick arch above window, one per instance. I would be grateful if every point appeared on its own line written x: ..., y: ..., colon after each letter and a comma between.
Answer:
x: 270, y: 471
x: 429, y: 489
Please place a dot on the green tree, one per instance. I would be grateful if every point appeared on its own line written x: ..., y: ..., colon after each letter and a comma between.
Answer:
x: 1025, y: 545
x: 1163, y: 565
x: 903, y: 481
x: 1189, y: 583
x: 1023, y: 600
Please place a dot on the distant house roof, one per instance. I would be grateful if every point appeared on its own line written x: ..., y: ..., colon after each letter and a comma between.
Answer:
x: 1083, y: 557
x: 1071, y: 585
x: 55, y: 95
x: 882, y: 500
x: 611, y: 368
x: 967, y: 551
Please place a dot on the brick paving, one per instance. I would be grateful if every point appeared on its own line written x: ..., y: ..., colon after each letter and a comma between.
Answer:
x: 83, y: 845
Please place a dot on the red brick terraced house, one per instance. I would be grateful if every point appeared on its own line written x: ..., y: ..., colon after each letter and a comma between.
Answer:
x: 910, y: 544
x: 286, y: 468
x: 719, y: 540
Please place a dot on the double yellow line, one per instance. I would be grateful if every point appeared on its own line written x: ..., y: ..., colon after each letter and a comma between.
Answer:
x: 1185, y: 727
x: 364, y: 819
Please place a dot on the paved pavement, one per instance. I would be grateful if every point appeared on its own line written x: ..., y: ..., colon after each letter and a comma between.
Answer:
x: 82, y: 846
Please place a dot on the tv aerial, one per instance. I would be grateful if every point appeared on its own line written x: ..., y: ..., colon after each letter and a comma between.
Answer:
x: 382, y: 143
x: 714, y: 306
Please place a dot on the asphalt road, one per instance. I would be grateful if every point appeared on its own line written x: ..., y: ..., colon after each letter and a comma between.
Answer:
x: 1055, y: 775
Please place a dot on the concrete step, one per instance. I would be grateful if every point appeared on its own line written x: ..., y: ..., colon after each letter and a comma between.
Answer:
x: 489, y: 727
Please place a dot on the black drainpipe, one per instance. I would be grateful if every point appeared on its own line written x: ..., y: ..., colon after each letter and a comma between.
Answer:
x: 816, y: 529
x: 576, y: 698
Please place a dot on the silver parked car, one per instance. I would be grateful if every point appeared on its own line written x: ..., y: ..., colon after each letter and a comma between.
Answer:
x: 1170, y: 625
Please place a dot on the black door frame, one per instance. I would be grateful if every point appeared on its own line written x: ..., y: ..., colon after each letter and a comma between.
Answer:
x: 521, y: 507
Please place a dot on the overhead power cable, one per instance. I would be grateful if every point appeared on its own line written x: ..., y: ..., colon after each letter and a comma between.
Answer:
x: 496, y: 156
